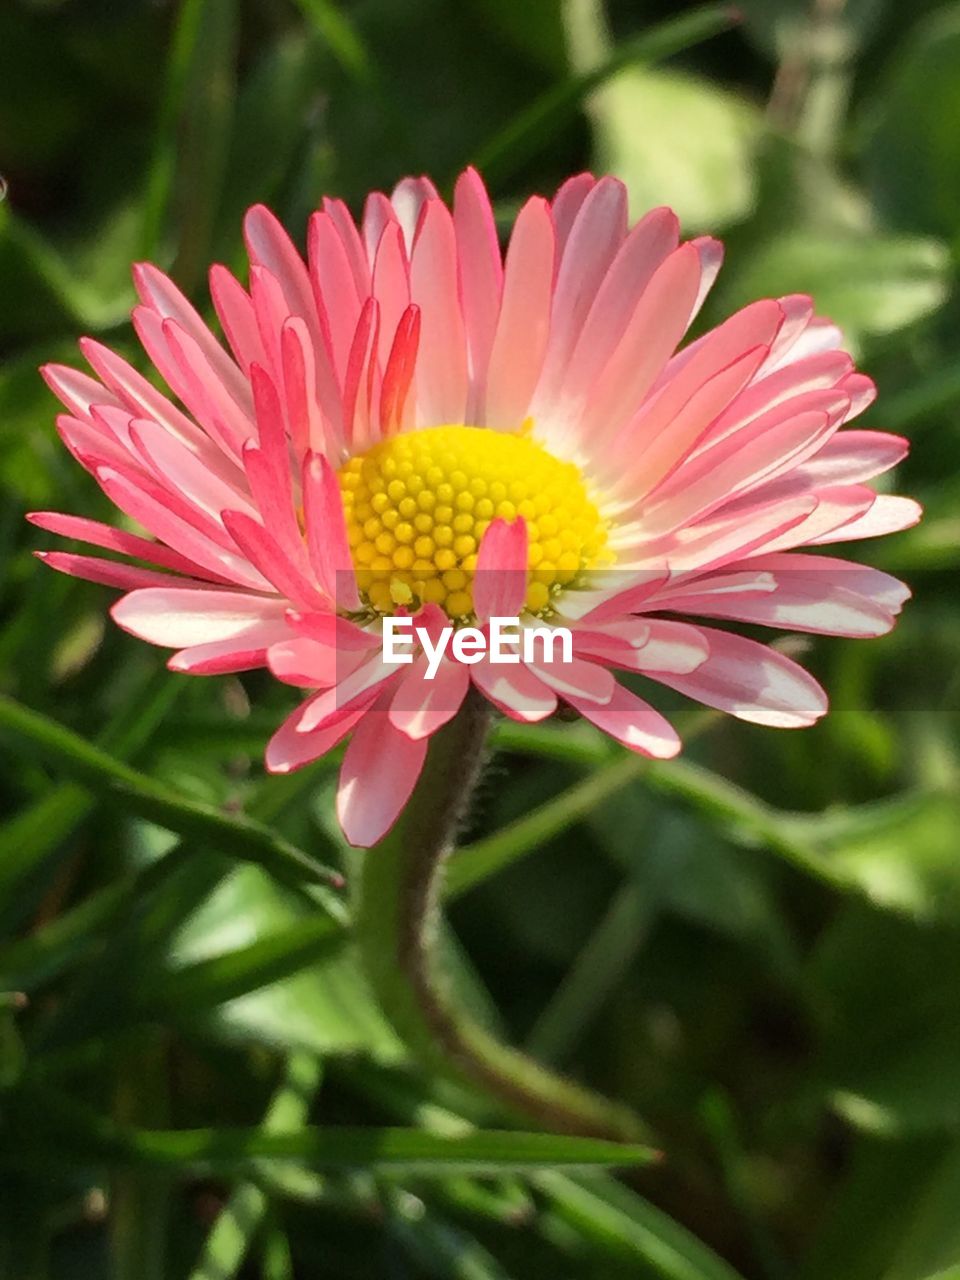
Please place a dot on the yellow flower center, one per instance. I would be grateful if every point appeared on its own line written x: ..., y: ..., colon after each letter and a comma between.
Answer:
x: 418, y: 504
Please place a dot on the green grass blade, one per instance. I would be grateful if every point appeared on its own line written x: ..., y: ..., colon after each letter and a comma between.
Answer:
x: 193, y: 134
x: 241, y: 837
x: 724, y: 805
x: 29, y: 839
x: 594, y: 974
x: 229, y: 1152
x: 627, y: 1226
x: 478, y: 861
x: 339, y: 34
x: 229, y: 1239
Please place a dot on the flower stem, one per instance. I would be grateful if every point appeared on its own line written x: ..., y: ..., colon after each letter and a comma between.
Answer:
x: 398, y: 928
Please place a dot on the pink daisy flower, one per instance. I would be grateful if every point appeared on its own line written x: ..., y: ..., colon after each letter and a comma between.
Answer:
x: 409, y: 421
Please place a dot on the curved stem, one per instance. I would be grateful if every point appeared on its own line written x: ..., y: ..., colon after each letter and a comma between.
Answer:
x: 398, y: 928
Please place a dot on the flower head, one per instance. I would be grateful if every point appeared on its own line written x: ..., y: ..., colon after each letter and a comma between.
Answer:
x: 409, y: 422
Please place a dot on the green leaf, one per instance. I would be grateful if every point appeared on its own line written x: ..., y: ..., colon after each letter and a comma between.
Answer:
x: 912, y: 148
x: 900, y: 853
x: 323, y: 1006
x: 206, y: 983
x: 502, y: 155
x: 889, y: 1003
x: 869, y: 284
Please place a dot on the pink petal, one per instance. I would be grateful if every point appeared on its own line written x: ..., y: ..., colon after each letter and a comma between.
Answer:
x: 158, y: 293
x: 434, y: 287
x: 78, y: 391
x: 342, y: 219
x: 304, y: 662
x: 326, y: 530
x: 92, y: 445
x: 408, y: 199
x: 159, y: 513
x: 711, y: 260
x: 177, y: 616
x: 851, y: 457
x: 420, y: 707
x: 861, y: 579
x: 109, y: 573
x: 226, y: 657
x: 360, y: 382
x: 378, y: 214
x: 567, y: 203
x: 104, y: 535
x: 391, y: 287
x: 365, y: 683
x: 647, y: 644
x: 734, y: 470
x: 268, y: 470
x: 481, y: 271
x: 598, y: 230
x: 396, y: 400
x: 641, y: 254
x: 334, y: 287
x: 862, y: 392
x: 888, y: 514
x: 657, y: 457
x: 312, y: 392
x: 730, y: 534
x: 623, y: 591
x: 792, y: 592
x: 797, y: 311
x: 500, y: 579
x: 515, y: 690
x: 752, y: 682
x: 836, y: 507
x: 268, y: 245
x: 272, y: 312
x: 658, y: 322
x: 633, y: 722
x: 330, y: 629
x: 177, y: 468
x: 379, y: 772
x: 754, y: 327
x: 579, y: 678
x: 290, y: 749
x: 235, y: 312
x: 524, y: 324
x: 819, y: 373
x: 225, y: 419
x: 264, y: 551
x: 142, y: 398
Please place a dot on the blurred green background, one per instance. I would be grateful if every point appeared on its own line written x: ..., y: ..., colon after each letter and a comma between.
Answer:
x: 757, y: 947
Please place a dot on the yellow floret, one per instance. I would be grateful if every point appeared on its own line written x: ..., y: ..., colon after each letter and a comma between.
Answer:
x: 418, y: 504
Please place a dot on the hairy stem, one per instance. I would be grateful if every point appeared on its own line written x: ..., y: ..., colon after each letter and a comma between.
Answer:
x: 398, y: 926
